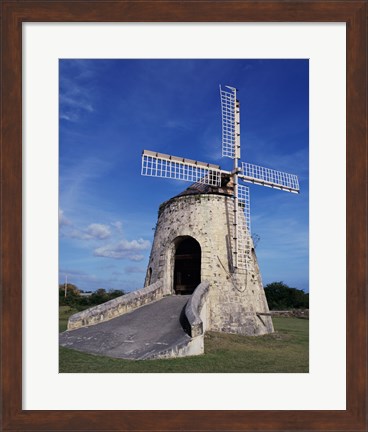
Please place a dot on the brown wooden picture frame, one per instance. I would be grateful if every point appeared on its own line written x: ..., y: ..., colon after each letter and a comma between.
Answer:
x: 16, y: 12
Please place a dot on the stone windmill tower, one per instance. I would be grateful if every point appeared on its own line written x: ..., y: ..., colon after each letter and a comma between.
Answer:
x: 203, y: 234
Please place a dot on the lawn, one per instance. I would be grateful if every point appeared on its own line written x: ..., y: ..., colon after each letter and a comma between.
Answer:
x: 64, y: 314
x: 284, y: 351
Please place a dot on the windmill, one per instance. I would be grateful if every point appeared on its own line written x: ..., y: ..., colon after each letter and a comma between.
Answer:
x: 173, y: 167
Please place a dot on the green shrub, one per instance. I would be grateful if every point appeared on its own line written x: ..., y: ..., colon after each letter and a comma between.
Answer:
x: 74, y: 299
x: 282, y: 297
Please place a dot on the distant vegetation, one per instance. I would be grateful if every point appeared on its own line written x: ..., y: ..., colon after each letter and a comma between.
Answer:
x: 80, y: 300
x: 279, y: 297
x: 282, y: 297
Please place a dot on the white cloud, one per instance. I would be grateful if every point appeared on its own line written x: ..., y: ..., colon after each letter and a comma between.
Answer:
x: 98, y: 231
x: 78, y: 234
x: 136, y: 258
x: 77, y: 181
x: 94, y: 231
x: 124, y: 249
x: 63, y: 220
x: 71, y: 102
x: 68, y: 117
x: 75, y: 97
x: 118, y: 225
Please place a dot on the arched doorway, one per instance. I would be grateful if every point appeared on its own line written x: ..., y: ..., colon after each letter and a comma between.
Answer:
x: 187, y: 268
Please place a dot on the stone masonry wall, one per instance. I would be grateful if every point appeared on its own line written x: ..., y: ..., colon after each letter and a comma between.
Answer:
x: 233, y: 302
x: 116, y: 307
x: 196, y: 310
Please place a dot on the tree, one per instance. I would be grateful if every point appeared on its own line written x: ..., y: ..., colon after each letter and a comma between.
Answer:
x: 75, y: 300
x: 115, y: 293
x: 280, y: 296
x: 68, y: 296
x: 98, y: 297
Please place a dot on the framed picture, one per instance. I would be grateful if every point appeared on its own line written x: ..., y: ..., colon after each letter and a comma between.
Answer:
x: 106, y: 239
x: 144, y: 404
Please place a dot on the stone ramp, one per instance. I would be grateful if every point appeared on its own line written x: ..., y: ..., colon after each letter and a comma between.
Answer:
x: 144, y: 333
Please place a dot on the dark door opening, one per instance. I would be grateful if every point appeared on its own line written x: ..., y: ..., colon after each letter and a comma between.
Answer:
x: 187, y: 270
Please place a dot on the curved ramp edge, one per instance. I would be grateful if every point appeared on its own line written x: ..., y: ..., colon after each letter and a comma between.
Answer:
x: 196, y: 310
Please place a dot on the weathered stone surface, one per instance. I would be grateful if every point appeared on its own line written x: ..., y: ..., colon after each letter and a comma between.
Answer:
x: 152, y: 331
x: 233, y: 300
x: 196, y: 310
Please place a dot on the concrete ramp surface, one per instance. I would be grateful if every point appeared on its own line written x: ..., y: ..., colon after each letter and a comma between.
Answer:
x: 141, y: 334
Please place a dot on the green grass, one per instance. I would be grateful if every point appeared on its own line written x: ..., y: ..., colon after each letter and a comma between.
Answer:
x: 64, y: 314
x: 284, y: 351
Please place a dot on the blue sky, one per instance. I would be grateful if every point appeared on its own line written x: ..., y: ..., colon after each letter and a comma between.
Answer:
x: 110, y: 110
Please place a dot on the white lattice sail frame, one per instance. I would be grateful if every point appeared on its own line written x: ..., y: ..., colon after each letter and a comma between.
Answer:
x: 244, y: 233
x: 228, y: 107
x: 174, y: 167
x: 269, y: 177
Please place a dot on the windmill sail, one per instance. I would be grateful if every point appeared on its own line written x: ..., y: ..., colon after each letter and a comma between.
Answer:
x: 244, y: 236
x: 162, y: 165
x: 244, y: 204
x: 269, y: 177
x: 178, y: 168
x: 228, y: 110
